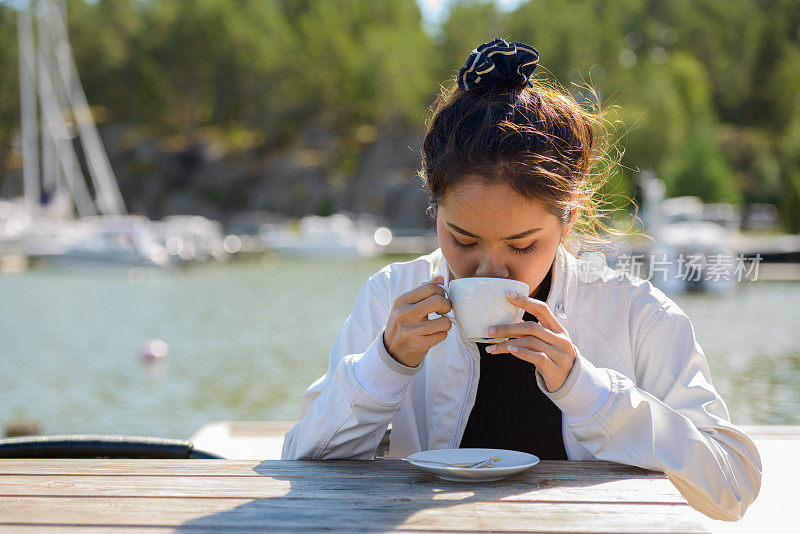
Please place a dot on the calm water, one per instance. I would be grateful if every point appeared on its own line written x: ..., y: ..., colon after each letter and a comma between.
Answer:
x: 247, y: 338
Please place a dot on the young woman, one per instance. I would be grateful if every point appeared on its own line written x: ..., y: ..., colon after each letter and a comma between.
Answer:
x: 602, y: 367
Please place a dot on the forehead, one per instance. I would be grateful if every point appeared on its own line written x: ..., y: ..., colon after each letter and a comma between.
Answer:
x: 493, y: 206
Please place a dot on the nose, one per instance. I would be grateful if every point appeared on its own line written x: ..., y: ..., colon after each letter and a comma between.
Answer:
x: 492, y: 266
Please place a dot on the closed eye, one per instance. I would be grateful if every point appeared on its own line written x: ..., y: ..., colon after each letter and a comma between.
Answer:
x: 521, y: 251
x: 462, y: 246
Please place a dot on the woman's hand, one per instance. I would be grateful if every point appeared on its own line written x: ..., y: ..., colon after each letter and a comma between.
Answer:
x: 409, y: 334
x: 545, y: 344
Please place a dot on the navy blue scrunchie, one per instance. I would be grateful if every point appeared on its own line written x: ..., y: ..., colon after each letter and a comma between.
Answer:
x: 498, y: 63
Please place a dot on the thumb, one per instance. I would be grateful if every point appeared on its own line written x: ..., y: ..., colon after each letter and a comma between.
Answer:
x: 438, y: 279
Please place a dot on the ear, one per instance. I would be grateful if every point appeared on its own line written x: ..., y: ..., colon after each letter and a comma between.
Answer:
x: 573, y: 216
x: 432, y: 211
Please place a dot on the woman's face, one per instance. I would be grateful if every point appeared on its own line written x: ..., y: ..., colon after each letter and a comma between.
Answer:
x: 488, y: 229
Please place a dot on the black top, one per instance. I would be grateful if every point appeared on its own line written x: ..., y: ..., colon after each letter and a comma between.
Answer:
x: 510, y: 411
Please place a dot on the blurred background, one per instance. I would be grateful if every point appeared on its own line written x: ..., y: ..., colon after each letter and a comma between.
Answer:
x: 192, y: 192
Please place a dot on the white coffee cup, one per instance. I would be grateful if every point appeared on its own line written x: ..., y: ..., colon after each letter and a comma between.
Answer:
x: 479, y: 303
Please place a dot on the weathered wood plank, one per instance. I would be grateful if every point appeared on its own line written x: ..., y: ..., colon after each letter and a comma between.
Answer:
x: 559, y: 470
x: 356, y: 515
x: 523, y: 487
x: 209, y: 495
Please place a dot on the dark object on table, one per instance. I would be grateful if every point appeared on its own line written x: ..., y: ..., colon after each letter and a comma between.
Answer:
x: 99, y: 446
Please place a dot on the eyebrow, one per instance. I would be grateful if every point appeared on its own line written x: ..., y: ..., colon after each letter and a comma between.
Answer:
x: 515, y: 236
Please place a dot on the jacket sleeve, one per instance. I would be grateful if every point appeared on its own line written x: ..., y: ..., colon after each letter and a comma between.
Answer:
x: 669, y: 419
x: 340, y: 418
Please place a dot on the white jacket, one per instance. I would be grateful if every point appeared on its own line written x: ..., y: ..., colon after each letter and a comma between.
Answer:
x: 639, y: 392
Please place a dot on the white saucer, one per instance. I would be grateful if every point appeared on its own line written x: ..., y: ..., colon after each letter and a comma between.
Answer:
x: 510, y: 462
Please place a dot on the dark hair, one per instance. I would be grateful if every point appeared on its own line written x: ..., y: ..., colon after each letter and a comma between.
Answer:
x: 533, y: 137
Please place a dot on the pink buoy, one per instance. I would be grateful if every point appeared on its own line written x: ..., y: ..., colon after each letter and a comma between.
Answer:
x: 154, y: 350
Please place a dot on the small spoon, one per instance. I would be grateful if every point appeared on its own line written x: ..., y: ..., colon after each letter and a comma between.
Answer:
x: 487, y: 463
x: 462, y: 465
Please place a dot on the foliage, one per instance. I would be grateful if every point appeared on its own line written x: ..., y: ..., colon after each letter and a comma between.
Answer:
x: 708, y: 90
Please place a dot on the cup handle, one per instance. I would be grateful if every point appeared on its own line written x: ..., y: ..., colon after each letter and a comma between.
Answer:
x: 451, y: 314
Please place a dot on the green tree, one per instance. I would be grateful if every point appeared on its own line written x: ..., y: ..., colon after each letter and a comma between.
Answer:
x: 707, y: 91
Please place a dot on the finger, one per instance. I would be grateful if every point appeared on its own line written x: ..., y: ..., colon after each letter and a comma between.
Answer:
x: 434, y: 326
x: 530, y: 343
x: 556, y: 356
x: 433, y: 304
x: 434, y: 339
x: 537, y: 308
x: 539, y: 359
x: 527, y: 328
x: 422, y: 292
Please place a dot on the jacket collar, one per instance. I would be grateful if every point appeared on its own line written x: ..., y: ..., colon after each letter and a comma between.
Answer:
x: 563, y: 285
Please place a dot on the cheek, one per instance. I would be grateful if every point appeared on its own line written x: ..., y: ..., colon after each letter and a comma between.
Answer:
x: 532, y: 268
x: 526, y: 270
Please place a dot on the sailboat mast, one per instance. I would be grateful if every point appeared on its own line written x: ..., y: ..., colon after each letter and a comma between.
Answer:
x: 47, y: 69
x: 49, y: 126
x: 64, y: 153
x: 109, y: 198
x: 54, y: 104
x: 28, y: 111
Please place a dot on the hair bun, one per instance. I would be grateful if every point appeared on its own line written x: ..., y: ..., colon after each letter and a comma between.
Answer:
x: 497, y: 63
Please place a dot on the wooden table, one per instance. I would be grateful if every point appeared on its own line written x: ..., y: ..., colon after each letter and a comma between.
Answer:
x: 103, y: 495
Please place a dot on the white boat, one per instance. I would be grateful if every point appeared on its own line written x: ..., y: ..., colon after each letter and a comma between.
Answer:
x: 335, y: 236
x: 693, y: 256
x: 125, y: 240
x: 691, y: 249
x: 193, y: 238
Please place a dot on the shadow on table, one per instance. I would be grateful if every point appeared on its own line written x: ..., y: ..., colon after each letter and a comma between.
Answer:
x: 332, y: 498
